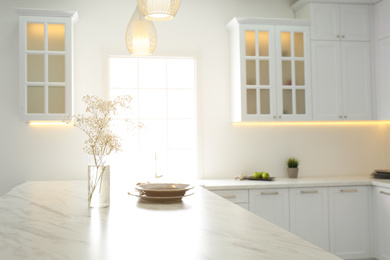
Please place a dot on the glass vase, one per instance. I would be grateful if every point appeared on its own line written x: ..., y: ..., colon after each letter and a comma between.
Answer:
x: 98, y: 186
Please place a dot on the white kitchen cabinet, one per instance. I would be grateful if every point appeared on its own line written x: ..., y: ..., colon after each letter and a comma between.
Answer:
x: 349, y: 222
x: 271, y: 204
x: 45, y: 63
x: 270, y: 70
x: 382, y: 66
x: 341, y: 80
x: 382, y: 19
x: 382, y: 223
x: 239, y: 197
x: 309, y: 215
x: 346, y: 22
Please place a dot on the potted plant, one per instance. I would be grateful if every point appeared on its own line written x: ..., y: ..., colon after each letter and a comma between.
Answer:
x: 292, y: 167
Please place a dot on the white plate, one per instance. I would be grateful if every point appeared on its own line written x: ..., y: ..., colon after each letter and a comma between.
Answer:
x: 159, y: 199
x: 163, y: 189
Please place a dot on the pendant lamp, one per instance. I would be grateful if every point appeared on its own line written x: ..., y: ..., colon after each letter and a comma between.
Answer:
x: 159, y: 10
x: 141, y: 35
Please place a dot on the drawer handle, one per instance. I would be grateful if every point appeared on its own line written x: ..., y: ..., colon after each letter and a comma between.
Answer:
x: 353, y: 190
x: 309, y: 191
x: 383, y: 192
x: 270, y: 193
x: 229, y: 197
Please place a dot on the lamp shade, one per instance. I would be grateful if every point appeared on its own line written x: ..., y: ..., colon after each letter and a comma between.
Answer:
x: 159, y: 10
x: 141, y: 35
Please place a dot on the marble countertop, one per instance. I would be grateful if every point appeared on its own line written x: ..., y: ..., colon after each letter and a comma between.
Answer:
x: 51, y: 220
x: 301, y: 182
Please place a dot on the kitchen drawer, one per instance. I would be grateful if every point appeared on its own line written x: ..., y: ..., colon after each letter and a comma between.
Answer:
x: 236, y: 196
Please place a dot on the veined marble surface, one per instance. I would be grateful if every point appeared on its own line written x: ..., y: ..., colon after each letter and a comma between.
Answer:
x: 51, y: 220
x: 300, y: 182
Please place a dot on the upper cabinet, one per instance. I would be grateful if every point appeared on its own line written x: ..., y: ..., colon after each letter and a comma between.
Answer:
x: 270, y: 70
x: 340, y: 22
x: 45, y: 63
x: 341, y: 59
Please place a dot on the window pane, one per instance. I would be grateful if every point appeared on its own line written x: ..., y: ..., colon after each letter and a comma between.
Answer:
x: 152, y: 73
x: 35, y: 99
x: 299, y: 73
x: 181, y: 134
x: 265, y: 106
x: 56, y: 37
x: 181, y: 103
x: 152, y: 104
x: 286, y: 44
x: 263, y: 44
x: 134, y: 102
x: 180, y: 73
x: 251, y: 102
x: 300, y: 101
x: 56, y: 99
x: 35, y: 36
x: 287, y: 102
x: 56, y: 68
x: 264, y: 72
x: 298, y: 44
x: 154, y: 135
x: 251, y: 72
x: 35, y: 68
x: 286, y: 72
x: 250, y: 43
x: 123, y: 73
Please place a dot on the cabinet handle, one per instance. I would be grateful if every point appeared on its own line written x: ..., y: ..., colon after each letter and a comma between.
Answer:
x: 384, y: 192
x: 229, y: 197
x: 345, y: 116
x: 309, y: 191
x: 343, y: 36
x: 280, y: 116
x: 270, y: 193
x: 340, y: 116
x: 274, y: 116
x: 338, y: 36
x: 353, y: 190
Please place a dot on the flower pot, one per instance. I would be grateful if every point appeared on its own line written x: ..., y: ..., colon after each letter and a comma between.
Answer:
x: 292, y: 172
x: 98, y: 186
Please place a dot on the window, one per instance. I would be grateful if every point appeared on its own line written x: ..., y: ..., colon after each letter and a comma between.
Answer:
x: 164, y: 100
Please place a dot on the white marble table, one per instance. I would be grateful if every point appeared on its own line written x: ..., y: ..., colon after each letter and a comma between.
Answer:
x: 51, y: 220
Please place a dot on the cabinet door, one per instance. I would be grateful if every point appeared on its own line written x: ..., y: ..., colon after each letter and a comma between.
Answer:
x: 354, y: 22
x: 382, y: 20
x: 349, y: 222
x: 293, y: 73
x: 45, y: 56
x: 383, y: 79
x: 326, y: 79
x: 325, y: 19
x: 258, y: 73
x: 382, y: 229
x: 356, y: 80
x: 271, y: 204
x: 309, y: 215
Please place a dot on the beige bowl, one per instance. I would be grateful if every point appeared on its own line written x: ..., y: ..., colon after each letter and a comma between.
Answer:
x: 163, y: 189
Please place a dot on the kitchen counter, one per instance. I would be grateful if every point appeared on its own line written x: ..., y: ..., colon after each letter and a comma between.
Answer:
x: 300, y: 182
x: 51, y: 220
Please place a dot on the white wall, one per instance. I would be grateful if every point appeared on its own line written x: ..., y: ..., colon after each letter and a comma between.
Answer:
x: 55, y: 153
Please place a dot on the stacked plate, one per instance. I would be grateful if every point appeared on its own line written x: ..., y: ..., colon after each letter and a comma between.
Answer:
x: 381, y: 174
x: 162, y: 192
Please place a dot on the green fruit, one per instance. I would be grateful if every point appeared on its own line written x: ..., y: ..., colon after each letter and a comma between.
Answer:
x: 265, y: 175
x: 257, y: 175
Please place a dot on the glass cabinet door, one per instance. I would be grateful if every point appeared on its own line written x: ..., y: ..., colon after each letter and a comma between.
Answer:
x: 259, y: 71
x: 45, y: 51
x: 292, y: 63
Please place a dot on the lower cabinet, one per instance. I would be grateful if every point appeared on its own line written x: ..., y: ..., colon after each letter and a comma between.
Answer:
x: 271, y: 204
x: 239, y: 197
x: 349, y: 219
x: 382, y: 223
x: 309, y: 215
x: 336, y: 219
